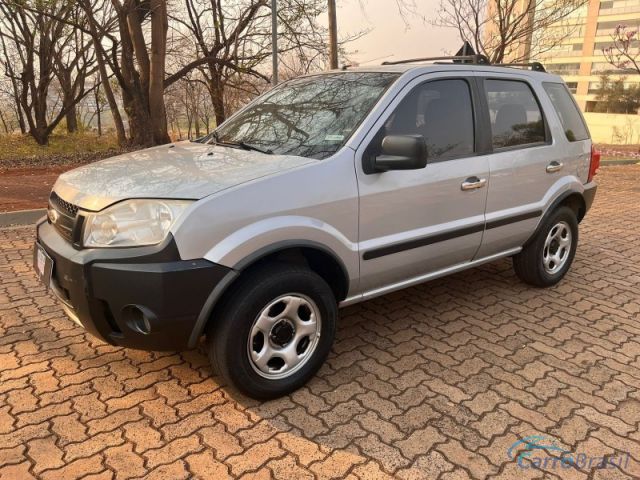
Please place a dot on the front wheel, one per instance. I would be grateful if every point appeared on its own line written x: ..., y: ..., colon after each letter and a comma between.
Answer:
x: 273, y: 331
x: 545, y: 260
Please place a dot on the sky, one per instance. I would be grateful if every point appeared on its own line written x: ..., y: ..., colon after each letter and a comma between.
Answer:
x: 390, y: 37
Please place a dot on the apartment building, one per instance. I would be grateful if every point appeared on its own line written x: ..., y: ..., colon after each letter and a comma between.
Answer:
x: 580, y: 58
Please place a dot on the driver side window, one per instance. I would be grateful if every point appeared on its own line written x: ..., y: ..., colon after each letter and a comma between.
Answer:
x: 442, y: 112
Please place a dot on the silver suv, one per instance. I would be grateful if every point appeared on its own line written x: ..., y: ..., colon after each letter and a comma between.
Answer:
x: 328, y: 190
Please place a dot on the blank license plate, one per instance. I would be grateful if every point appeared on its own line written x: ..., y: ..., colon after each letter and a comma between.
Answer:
x: 43, y: 264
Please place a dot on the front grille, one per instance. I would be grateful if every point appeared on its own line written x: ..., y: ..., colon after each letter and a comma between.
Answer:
x: 65, y: 219
x: 63, y: 206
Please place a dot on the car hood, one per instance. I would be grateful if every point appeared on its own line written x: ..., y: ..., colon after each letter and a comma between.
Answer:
x: 182, y: 170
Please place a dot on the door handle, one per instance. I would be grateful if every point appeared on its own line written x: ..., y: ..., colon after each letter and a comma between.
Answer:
x: 554, y: 167
x: 473, y: 183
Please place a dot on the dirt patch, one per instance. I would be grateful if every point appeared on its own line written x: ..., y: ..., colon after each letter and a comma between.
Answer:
x: 28, y: 188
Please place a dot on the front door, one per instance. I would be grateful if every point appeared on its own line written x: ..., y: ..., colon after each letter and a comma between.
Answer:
x: 420, y: 221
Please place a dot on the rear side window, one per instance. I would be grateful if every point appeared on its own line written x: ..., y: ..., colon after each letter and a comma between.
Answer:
x: 516, y: 118
x: 442, y: 112
x: 567, y: 110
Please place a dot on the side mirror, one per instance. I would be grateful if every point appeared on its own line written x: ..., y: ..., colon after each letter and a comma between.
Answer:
x: 401, y: 152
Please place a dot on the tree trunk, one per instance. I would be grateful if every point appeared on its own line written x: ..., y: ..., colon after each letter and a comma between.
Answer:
x: 19, y: 114
x: 98, y: 109
x: 333, y: 35
x: 4, y: 123
x: 40, y: 135
x: 66, y: 84
x: 104, y: 78
x: 113, y: 106
x: 157, y: 111
x: 216, y: 90
x: 139, y: 120
x: 21, y: 122
x: 72, y: 120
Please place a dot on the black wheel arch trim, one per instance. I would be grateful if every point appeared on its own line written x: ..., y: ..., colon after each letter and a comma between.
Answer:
x: 553, y: 206
x: 222, y: 287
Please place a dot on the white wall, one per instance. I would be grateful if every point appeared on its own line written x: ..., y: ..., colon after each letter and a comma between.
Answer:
x: 614, y: 128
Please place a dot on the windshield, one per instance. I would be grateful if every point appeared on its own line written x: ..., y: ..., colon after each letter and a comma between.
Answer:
x: 308, y: 117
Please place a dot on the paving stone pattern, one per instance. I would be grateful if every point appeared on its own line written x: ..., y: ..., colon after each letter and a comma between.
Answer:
x: 434, y: 382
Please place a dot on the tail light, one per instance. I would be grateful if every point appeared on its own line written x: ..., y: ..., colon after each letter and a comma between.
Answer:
x: 595, y: 163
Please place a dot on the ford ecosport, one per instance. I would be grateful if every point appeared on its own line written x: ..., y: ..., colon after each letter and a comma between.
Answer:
x: 328, y: 190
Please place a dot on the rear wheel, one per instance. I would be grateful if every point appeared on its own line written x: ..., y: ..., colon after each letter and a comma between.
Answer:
x: 273, y: 331
x: 547, y: 258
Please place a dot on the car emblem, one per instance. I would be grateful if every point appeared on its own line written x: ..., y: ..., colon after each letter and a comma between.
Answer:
x: 53, y: 215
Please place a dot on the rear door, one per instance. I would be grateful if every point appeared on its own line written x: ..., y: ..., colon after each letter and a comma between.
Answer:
x: 522, y: 163
x: 419, y: 221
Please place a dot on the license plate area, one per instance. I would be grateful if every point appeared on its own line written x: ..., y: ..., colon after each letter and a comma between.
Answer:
x: 43, y: 265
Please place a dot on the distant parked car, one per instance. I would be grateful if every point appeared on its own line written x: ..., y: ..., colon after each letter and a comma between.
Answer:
x: 326, y: 191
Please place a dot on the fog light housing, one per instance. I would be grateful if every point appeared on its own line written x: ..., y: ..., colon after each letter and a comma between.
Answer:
x: 139, y: 318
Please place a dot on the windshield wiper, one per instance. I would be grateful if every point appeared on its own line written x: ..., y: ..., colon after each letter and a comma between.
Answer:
x: 248, y: 146
x: 239, y: 144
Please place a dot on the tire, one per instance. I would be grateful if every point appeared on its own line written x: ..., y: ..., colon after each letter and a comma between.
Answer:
x: 542, y: 262
x: 277, y: 311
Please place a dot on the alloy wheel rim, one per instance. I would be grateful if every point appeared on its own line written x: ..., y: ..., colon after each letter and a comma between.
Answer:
x: 284, y: 336
x: 557, y: 248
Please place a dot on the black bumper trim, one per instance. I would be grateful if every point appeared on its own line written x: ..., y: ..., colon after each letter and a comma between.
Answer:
x: 103, y: 287
x: 589, y: 196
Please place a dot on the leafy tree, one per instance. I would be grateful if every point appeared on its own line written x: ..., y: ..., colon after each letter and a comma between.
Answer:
x: 614, y: 97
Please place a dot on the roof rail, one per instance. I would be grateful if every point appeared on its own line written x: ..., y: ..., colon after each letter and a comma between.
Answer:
x: 535, y: 66
x: 473, y: 59
x: 467, y: 55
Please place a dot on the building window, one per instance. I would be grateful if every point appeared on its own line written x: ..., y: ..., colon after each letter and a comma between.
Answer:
x: 591, y: 106
x: 618, y: 7
x: 599, y: 68
x: 564, y: 68
x: 594, y: 87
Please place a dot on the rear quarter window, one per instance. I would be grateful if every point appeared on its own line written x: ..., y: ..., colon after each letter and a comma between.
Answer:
x: 566, y: 108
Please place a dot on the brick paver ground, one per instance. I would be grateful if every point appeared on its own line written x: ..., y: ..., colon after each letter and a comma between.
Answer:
x: 437, y: 381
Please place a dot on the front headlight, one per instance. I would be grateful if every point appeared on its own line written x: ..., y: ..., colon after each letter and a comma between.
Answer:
x: 132, y: 223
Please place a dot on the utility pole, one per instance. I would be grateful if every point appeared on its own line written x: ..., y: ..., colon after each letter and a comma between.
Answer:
x: 333, y: 35
x: 274, y: 41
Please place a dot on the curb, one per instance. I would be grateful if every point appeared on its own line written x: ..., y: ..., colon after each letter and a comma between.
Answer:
x: 605, y: 163
x: 21, y: 217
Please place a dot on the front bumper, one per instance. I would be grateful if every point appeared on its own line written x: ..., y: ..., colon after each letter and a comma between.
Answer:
x: 145, y: 298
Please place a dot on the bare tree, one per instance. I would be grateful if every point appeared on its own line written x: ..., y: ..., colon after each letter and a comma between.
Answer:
x: 130, y: 54
x: 139, y: 67
x: 12, y: 90
x: 34, y: 37
x: 74, y: 62
x: 624, y: 51
x: 232, y: 39
x: 8, y: 111
x: 510, y: 30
